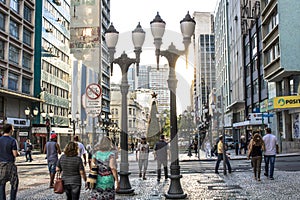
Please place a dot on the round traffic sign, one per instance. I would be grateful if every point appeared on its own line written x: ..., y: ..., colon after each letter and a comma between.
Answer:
x: 93, y: 91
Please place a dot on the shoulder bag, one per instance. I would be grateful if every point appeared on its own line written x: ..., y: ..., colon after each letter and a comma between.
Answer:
x: 58, y: 184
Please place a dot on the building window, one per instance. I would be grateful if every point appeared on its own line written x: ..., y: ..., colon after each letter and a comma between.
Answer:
x: 130, y: 111
x: 3, y: 1
x: 1, y: 78
x: 26, y: 60
x: 14, y: 5
x: 248, y: 91
x: 263, y: 83
x: 14, y: 54
x: 255, y: 87
x: 27, y: 13
x: 14, y: 29
x: 2, y: 46
x: 2, y: 21
x: 26, y: 85
x: 254, y: 64
x: 27, y: 37
x: 12, y: 81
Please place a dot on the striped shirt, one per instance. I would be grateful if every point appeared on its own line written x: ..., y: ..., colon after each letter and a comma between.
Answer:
x: 71, y: 167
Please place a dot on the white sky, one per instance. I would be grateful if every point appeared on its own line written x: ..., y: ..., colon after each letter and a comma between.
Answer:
x: 125, y: 15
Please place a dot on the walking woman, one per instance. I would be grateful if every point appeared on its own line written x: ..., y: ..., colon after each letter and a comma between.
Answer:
x: 104, y: 176
x: 256, y: 146
x: 71, y: 166
x: 142, y: 154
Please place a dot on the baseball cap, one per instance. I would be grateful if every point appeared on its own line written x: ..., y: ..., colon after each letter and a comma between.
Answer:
x: 53, y: 136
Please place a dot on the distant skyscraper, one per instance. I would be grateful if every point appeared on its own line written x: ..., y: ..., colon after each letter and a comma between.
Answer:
x: 159, y: 85
x: 144, y: 77
x: 204, y: 74
x: 151, y: 78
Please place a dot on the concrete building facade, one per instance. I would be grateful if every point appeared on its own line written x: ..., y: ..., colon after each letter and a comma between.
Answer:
x: 17, y: 44
x: 281, y: 68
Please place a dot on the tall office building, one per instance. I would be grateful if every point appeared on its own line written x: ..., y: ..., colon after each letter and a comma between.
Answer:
x: 204, y: 73
x: 232, y: 21
x: 158, y: 84
x: 89, y: 21
x: 52, y: 64
x: 17, y: 27
x: 151, y: 78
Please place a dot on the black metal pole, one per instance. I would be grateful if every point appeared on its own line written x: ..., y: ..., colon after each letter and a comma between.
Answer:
x: 175, y: 190
x: 125, y: 188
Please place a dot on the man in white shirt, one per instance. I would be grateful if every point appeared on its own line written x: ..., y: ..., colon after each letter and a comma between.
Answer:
x: 81, y: 149
x: 207, y: 149
x: 271, y: 148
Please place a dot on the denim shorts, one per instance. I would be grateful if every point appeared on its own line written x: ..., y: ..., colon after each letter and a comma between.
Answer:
x: 52, y: 167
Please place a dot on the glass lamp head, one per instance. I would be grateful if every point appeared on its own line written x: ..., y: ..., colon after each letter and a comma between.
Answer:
x: 111, y: 36
x: 138, y: 36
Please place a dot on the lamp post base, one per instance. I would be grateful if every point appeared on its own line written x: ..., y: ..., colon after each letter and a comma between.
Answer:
x: 175, y: 190
x: 125, y: 187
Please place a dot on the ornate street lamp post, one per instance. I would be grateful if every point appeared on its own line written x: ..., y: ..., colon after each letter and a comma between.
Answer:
x: 48, y: 121
x: 29, y: 116
x: 105, y: 122
x: 172, y: 54
x: 73, y: 122
x: 111, y: 38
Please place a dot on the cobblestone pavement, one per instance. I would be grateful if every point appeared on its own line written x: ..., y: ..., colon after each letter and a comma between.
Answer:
x: 197, y: 186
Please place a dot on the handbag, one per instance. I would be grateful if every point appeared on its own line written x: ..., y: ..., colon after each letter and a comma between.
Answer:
x: 58, y: 184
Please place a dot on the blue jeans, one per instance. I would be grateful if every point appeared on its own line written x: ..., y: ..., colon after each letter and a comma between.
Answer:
x: 13, y: 192
x: 269, y: 159
x: 220, y: 157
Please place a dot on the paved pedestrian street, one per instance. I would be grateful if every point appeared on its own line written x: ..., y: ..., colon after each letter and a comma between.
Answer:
x: 198, y: 185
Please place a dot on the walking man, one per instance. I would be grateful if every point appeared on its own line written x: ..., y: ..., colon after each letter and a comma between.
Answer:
x: 28, y: 149
x: 142, y: 154
x: 220, y: 156
x: 8, y: 169
x: 161, y: 155
x: 81, y: 149
x: 271, y: 148
x: 52, y: 149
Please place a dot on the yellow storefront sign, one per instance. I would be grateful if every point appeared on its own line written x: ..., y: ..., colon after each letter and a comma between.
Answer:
x: 286, y: 102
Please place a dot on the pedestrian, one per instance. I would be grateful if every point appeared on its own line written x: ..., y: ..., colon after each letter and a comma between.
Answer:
x: 28, y: 148
x: 81, y: 149
x: 243, y: 146
x: 236, y: 147
x: 195, y: 147
x: 104, y: 175
x: 220, y: 156
x: 72, y: 169
x: 8, y: 169
x: 256, y: 146
x: 142, y: 154
x: 207, y: 149
x: 271, y: 148
x: 161, y: 156
x: 132, y: 147
x: 52, y: 149
x: 89, y: 152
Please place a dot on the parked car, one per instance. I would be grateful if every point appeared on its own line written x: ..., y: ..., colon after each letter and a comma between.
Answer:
x: 229, y: 142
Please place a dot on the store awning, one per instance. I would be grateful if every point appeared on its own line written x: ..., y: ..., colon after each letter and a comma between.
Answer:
x: 20, y: 95
x: 249, y: 123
